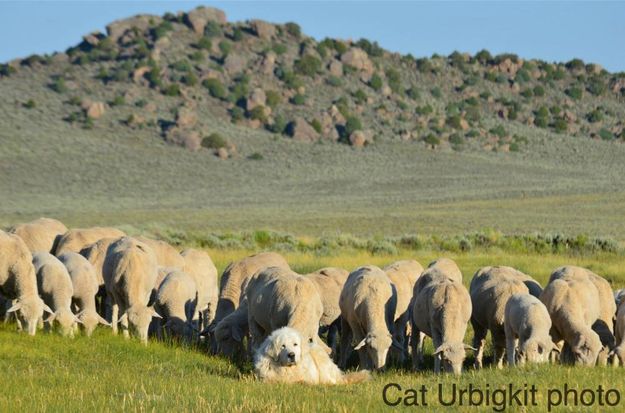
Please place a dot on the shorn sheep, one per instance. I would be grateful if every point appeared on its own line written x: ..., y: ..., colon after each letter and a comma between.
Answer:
x: 287, y: 357
x: 40, y: 234
x: 176, y: 301
x: 130, y: 273
x: 368, y: 303
x: 527, y: 325
x: 441, y: 310
x: 198, y: 264
x: 18, y: 282
x: 76, y: 239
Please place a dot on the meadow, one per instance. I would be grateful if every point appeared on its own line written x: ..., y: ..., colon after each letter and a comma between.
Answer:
x: 106, y: 373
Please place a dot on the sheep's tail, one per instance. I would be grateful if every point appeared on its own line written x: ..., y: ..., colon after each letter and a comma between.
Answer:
x: 357, y: 377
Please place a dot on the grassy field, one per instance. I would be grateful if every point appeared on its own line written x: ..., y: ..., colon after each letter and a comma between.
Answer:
x: 105, y: 373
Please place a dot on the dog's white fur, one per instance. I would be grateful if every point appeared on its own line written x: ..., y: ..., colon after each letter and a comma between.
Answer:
x: 285, y: 357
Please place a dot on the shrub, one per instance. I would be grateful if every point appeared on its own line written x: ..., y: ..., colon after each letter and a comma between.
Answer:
x: 360, y: 96
x: 483, y: 56
x: 595, y: 116
x: 256, y: 157
x: 376, y: 82
x: 279, y: 124
x: 293, y: 29
x: 436, y: 92
x: 555, y: 110
x: 225, y: 47
x: 173, y: 89
x: 527, y: 93
x: 30, y: 104
x: 237, y: 34
x: 181, y: 66
x: 514, y: 147
x: 279, y: 48
x: 413, y: 93
x: 6, y: 70
x: 214, y: 141
x: 539, y: 91
x: 424, y: 65
x: 118, y: 101
x: 431, y: 139
x: 161, y: 30
x: 154, y: 77
x: 456, y: 139
x: 574, y: 93
x: 316, y: 124
x: 352, y: 124
x: 258, y: 113
x: 596, y: 86
x: 204, y: 43
x: 372, y: 49
x: 560, y: 125
x: 334, y: 81
x: 212, y: 29
x: 605, y: 134
x: 273, y: 98
x: 298, y: 99
x: 424, y: 110
x: 454, y: 121
x: 215, y: 88
x: 308, y: 65
x: 542, y: 112
x: 394, y: 80
x: 499, y: 131
x: 522, y: 76
x: 190, y: 79
x: 575, y: 64
x: 541, y: 122
x: 58, y: 85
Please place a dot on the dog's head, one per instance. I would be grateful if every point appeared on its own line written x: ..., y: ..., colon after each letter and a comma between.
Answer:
x: 285, y: 346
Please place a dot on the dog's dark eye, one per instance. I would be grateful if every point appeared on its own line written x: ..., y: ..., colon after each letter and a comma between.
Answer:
x: 310, y: 340
x: 294, y: 344
x: 283, y: 346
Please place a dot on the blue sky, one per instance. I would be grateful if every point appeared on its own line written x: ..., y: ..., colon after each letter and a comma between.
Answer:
x: 552, y: 31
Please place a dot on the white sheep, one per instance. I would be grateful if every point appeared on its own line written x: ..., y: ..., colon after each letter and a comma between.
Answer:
x: 527, y: 325
x: 130, y: 273
x: 176, y: 302
x: 55, y: 287
x: 278, y: 297
x: 198, y: 264
x: 368, y: 301
x: 490, y: 289
x: 18, y: 282
x: 40, y: 234
x: 441, y: 309
x: 166, y: 255
x: 404, y: 275
x: 76, y: 239
x: 85, y: 284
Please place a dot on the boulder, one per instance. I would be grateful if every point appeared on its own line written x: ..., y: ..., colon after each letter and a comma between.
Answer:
x: 197, y: 19
x: 263, y: 29
x: 301, y: 130
x: 234, y: 63
x: 268, y: 63
x: 256, y: 98
x: 93, y: 110
x: 336, y: 68
x: 139, y: 73
x: 92, y: 39
x: 359, y: 138
x: 358, y: 59
x: 186, y: 117
x: 185, y: 138
x: 141, y: 22
x: 222, y: 153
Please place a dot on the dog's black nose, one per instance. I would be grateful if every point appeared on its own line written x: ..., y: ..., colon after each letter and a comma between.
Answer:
x: 291, y: 356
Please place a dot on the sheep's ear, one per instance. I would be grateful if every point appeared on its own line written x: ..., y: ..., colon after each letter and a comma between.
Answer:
x: 155, y: 314
x: 103, y: 321
x: 78, y: 320
x: 15, y: 307
x: 361, y: 344
x: 439, y: 350
x: 555, y: 348
x: 51, y: 318
x: 468, y: 347
x: 237, y: 334
x: 123, y: 318
x: 47, y: 309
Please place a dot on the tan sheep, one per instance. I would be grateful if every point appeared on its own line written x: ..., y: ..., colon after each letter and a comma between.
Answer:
x: 198, y: 264
x: 96, y: 253
x: 527, y: 325
x: 40, y: 234
x: 619, y: 331
x: 573, y: 302
x: 441, y: 310
x: 130, y: 273
x: 18, y: 282
x: 55, y: 287
x: 278, y: 297
x: 85, y: 284
x: 75, y: 240
x: 329, y: 282
x: 235, y: 279
x: 602, y: 311
x: 491, y: 288
x: 368, y: 301
x: 230, y: 332
x: 404, y: 275
x: 176, y: 302
x: 166, y: 255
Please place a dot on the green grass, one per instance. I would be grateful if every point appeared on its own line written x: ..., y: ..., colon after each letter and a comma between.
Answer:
x: 106, y: 373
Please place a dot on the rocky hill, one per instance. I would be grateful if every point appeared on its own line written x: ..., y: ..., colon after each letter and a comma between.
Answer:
x: 161, y: 74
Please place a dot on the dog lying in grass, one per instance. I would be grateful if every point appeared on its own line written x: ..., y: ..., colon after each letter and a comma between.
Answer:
x: 284, y: 357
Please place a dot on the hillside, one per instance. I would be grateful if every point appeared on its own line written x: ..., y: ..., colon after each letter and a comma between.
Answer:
x: 134, y: 128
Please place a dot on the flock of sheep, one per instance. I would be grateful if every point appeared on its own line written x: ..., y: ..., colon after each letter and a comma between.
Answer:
x: 86, y: 277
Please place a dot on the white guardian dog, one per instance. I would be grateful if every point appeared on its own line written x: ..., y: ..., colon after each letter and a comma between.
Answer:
x: 285, y: 357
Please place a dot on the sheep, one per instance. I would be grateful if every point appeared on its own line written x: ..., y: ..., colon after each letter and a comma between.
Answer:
x: 236, y: 276
x: 441, y: 309
x: 573, y: 302
x: 490, y: 289
x: 618, y: 296
x: 403, y: 275
x: 527, y: 325
x: 55, y: 287
x: 85, y: 285
x: 329, y: 281
x: 618, y: 353
x: 18, y: 282
x: 76, y: 239
x: 230, y: 332
x: 130, y: 273
x: 40, y: 234
x: 166, y: 255
x: 95, y: 253
x: 602, y: 325
x: 368, y: 301
x: 278, y: 297
x: 176, y: 302
x: 199, y: 265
